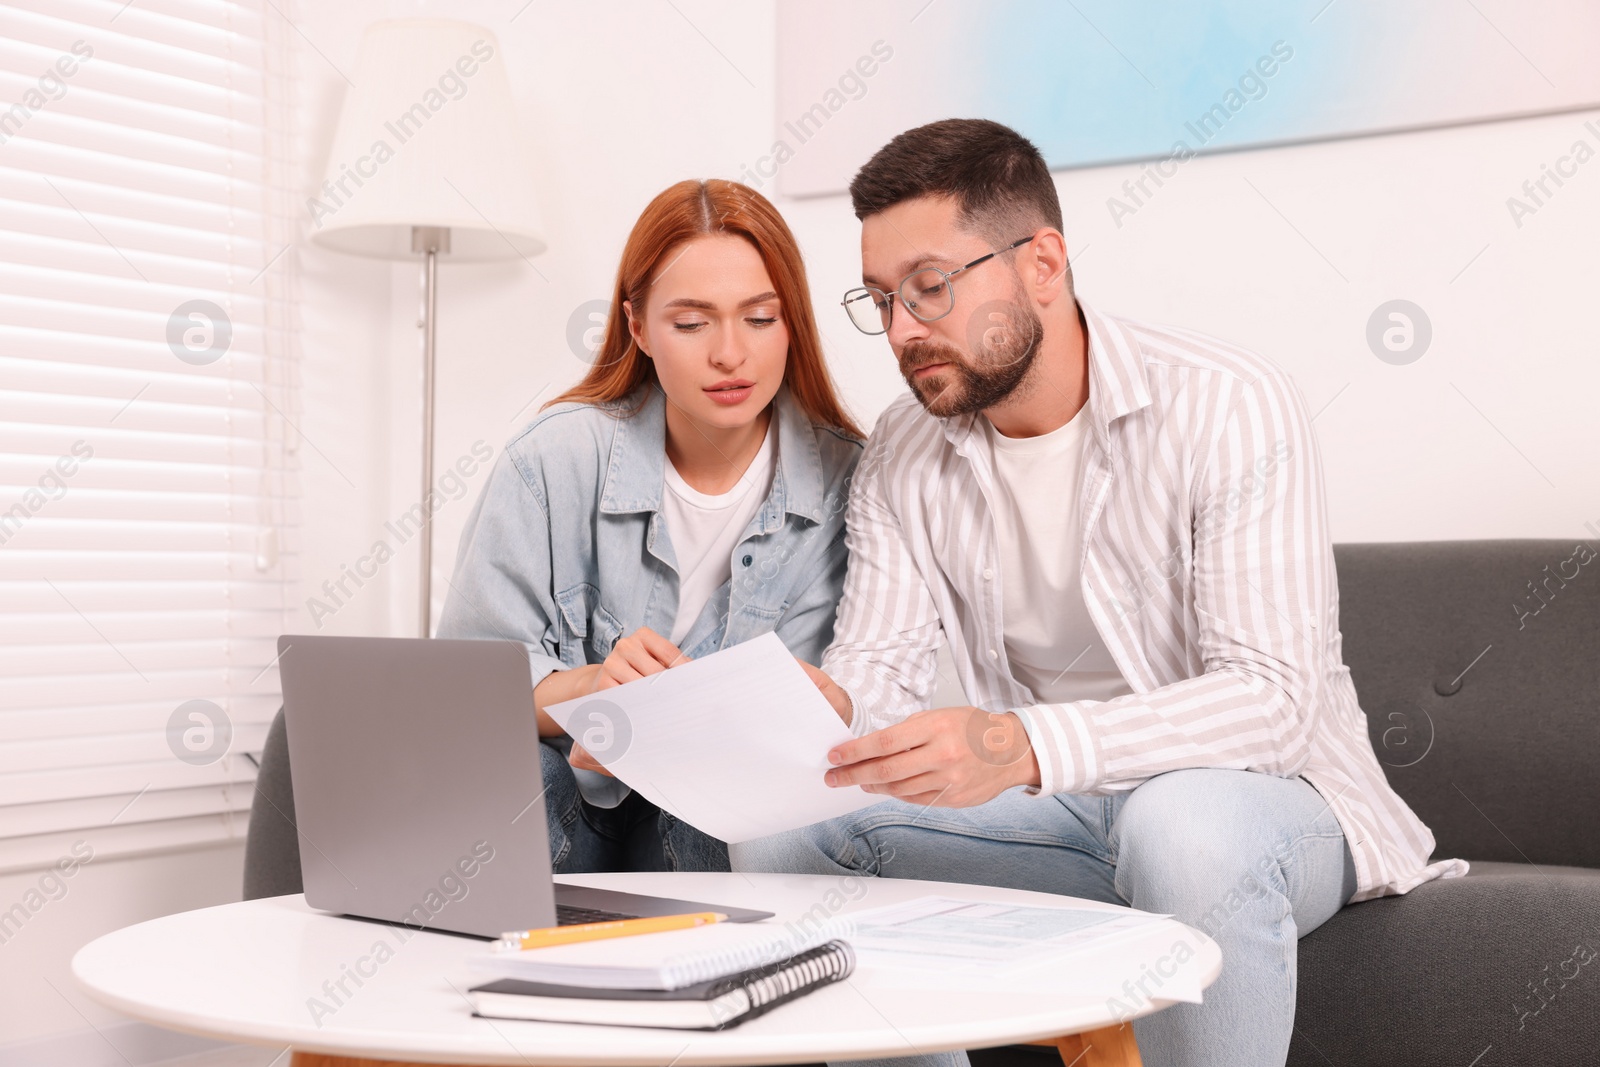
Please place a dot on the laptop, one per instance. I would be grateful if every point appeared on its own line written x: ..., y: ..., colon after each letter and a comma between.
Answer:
x: 417, y: 789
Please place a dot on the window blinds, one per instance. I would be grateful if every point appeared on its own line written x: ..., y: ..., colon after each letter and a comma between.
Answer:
x: 147, y: 387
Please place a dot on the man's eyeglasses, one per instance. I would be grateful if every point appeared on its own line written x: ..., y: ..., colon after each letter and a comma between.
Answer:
x: 926, y: 293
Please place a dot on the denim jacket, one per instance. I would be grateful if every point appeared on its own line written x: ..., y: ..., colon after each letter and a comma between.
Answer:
x: 567, y: 548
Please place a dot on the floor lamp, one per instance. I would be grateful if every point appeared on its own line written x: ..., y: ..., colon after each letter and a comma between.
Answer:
x: 429, y: 159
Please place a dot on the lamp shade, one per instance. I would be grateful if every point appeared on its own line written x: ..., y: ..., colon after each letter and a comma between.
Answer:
x: 428, y: 136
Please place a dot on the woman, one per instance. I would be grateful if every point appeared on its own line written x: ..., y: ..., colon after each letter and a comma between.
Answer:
x: 688, y: 494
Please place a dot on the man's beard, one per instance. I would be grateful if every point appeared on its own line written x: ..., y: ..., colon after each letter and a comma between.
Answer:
x: 1005, y: 338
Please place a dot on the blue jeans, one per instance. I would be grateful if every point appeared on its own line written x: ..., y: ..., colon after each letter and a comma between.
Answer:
x: 633, y: 836
x: 1253, y: 861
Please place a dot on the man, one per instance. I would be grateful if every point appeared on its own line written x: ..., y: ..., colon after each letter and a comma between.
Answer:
x: 1121, y: 532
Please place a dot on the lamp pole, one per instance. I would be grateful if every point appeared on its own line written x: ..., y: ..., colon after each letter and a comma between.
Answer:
x: 429, y: 241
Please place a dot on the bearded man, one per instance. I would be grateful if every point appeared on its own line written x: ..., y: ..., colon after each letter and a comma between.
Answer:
x: 1120, y: 532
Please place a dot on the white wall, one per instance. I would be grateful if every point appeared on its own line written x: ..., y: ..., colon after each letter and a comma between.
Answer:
x: 38, y: 994
x: 1424, y: 451
x: 624, y: 103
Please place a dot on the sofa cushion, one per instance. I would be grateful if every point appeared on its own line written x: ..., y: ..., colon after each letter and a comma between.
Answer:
x: 1497, y: 968
x: 1476, y: 664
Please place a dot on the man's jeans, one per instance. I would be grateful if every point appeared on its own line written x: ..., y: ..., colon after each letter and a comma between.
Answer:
x: 633, y: 836
x: 1251, y: 860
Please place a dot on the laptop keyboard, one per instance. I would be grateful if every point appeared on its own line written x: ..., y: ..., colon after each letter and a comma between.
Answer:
x: 572, y: 915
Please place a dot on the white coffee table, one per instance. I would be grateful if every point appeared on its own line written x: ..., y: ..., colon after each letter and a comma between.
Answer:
x: 268, y: 972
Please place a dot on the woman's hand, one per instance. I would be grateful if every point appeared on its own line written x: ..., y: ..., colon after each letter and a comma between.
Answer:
x: 837, y: 698
x: 579, y: 757
x: 641, y: 653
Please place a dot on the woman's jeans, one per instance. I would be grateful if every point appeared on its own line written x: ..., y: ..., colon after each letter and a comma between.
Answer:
x: 633, y: 836
x: 1253, y: 861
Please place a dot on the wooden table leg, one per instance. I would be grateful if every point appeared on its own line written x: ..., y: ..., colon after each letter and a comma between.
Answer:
x: 1110, y: 1046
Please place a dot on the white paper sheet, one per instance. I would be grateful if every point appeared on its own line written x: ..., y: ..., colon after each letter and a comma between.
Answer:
x: 989, y: 936
x: 735, y: 744
x: 941, y: 943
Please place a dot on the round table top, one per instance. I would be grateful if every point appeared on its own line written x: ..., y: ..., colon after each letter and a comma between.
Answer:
x: 261, y: 972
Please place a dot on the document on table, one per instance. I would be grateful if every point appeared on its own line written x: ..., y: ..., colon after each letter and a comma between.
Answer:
x: 942, y: 943
x: 931, y: 931
x: 735, y: 743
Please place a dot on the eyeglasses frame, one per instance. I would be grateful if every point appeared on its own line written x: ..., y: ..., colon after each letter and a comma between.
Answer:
x: 898, y: 291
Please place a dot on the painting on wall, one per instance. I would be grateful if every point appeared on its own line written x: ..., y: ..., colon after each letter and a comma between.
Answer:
x: 1094, y: 82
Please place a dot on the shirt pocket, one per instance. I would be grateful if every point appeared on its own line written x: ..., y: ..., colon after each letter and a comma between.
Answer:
x: 586, y: 623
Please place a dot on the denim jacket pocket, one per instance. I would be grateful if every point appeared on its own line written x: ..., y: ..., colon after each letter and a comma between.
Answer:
x: 750, y: 620
x: 586, y: 623
x: 604, y: 633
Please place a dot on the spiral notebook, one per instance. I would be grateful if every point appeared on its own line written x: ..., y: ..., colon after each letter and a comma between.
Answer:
x: 711, y: 1005
x: 674, y: 959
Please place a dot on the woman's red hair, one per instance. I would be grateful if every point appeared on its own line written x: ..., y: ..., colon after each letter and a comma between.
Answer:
x: 693, y: 209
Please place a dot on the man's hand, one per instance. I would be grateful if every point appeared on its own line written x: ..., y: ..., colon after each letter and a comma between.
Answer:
x: 641, y: 653
x: 944, y: 757
x: 836, y: 696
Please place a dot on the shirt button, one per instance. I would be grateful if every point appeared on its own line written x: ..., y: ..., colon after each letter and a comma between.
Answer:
x: 988, y: 574
x: 993, y: 654
x: 746, y: 561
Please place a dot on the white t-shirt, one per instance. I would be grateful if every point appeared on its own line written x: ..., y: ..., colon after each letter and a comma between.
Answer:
x: 704, y: 529
x: 1050, y: 639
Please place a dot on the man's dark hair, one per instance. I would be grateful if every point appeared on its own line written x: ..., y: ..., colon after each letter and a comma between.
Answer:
x: 996, y: 176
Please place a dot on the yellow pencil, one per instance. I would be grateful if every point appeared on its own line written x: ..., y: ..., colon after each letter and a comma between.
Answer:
x: 517, y: 940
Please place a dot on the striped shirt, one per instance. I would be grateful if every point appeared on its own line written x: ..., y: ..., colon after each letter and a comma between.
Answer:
x: 1207, y: 570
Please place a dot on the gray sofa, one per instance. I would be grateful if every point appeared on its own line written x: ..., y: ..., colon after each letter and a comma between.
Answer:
x: 1500, y: 761
x: 1478, y: 665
